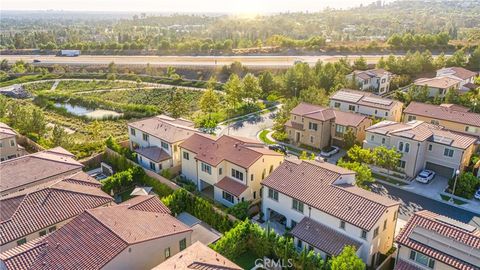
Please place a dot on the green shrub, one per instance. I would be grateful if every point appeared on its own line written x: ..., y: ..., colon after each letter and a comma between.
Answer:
x: 240, y: 210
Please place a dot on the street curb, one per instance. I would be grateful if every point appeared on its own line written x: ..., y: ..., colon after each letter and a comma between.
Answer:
x: 435, y: 199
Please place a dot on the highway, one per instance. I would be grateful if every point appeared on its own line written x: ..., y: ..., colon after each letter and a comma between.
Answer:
x: 186, y: 61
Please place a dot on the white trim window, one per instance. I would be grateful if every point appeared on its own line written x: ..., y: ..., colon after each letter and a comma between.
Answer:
x: 237, y: 174
x: 422, y: 259
x: 206, y: 168
x: 448, y: 152
x: 273, y: 194
x: 227, y: 196
x: 297, y: 205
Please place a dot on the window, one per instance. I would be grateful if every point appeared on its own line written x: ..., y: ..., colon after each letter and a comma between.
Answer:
x: 186, y: 156
x: 407, y: 147
x: 401, y: 164
x: 52, y: 229
x: 375, y: 232
x: 293, y: 223
x: 254, y: 195
x: 312, y: 126
x: 271, y: 169
x: 132, y: 131
x: 395, y: 216
x: 12, y: 143
x: 42, y: 233
x: 237, y: 174
x: 297, y: 205
x: 167, y: 253
x: 251, y: 177
x: 299, y: 244
x: 411, y: 118
x: 383, y: 140
x: 152, y: 166
x: 206, y: 168
x: 376, y: 111
x: 227, y: 196
x: 311, y: 139
x: 340, y: 129
x: 336, y: 105
x: 21, y: 241
x: 145, y: 137
x: 364, y: 234
x: 351, y: 108
x: 183, y: 244
x: 435, y: 122
x: 220, y: 171
x: 386, y: 113
x: 385, y: 225
x: 400, y: 146
x: 164, y: 145
x: 448, y: 152
x: 273, y: 194
x: 422, y: 259
x: 383, y: 80
x: 342, y: 224
x: 430, y: 147
x: 372, y: 138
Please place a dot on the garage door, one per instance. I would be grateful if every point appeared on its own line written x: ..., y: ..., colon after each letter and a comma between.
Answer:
x: 439, y: 169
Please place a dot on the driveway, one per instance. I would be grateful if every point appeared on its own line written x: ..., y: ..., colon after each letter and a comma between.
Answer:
x: 432, y: 189
x: 249, y: 127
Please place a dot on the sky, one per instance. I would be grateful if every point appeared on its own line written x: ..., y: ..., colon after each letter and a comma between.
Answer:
x: 223, y: 6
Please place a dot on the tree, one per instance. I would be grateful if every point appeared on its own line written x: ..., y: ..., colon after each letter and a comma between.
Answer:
x: 112, y: 68
x: 37, y: 123
x: 95, y: 128
x: 266, y: 82
x: 349, y: 138
x: 360, y: 64
x: 178, y: 105
x: 251, y: 88
x: 233, y: 91
x: 458, y: 59
x: 451, y: 96
x: 314, y: 95
x: 305, y: 156
x: 60, y: 137
x: 386, y: 158
x: 360, y: 155
x: 347, y: 260
x: 363, y: 172
x: 474, y: 60
x: 467, y: 184
x: 209, y: 102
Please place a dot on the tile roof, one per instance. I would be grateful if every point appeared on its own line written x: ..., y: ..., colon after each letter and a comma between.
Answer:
x: 166, y: 128
x: 40, y: 207
x: 323, y: 237
x: 231, y: 186
x: 365, y: 99
x: 371, y: 73
x: 93, y: 239
x: 458, y: 72
x: 404, y: 265
x: 153, y: 153
x: 240, y: 151
x: 313, y: 183
x: 441, y: 227
x: 443, y: 113
x: 36, y: 167
x: 197, y: 256
x: 455, y: 107
x: 324, y: 114
x: 443, y: 82
x: 6, y: 131
x: 147, y: 203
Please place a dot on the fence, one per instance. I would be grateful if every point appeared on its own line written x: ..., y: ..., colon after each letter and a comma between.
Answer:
x: 29, y: 145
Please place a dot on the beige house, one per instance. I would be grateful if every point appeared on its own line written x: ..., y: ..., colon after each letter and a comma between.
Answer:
x: 137, y: 234
x: 466, y: 76
x: 438, y: 86
x: 423, y: 146
x: 319, y: 127
x: 156, y: 140
x: 327, y: 212
x: 30, y: 170
x: 374, y: 80
x: 9, y: 148
x: 39, y: 210
x: 229, y: 169
x: 368, y: 104
x: 453, y: 117
x: 433, y: 241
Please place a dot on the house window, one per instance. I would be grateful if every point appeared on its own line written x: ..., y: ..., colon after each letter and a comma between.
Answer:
x: 152, y: 166
x: 336, y: 105
x: 183, y: 244
x: 383, y: 80
x: 42, y: 233
x: 21, y: 241
x: 167, y: 253
x: 132, y: 131
x: 220, y: 171
x: 299, y: 244
x: 312, y: 126
x: 401, y: 164
x: 383, y: 140
x: 375, y: 232
x: 411, y: 118
x: 164, y: 145
x: 430, y: 147
x: 254, y: 195
x: 422, y: 259
x: 395, y: 216
x: 342, y: 224
x: 400, y: 146
x: 293, y: 223
x: 311, y: 139
x: 297, y: 205
x: 435, y: 122
x: 206, y: 168
x: 12, y: 143
x: 340, y: 129
x: 376, y: 111
x: 364, y: 234
x: 52, y: 229
x: 407, y: 147
x: 351, y: 108
x: 186, y: 156
x: 145, y: 137
x: 372, y: 138
x: 385, y: 225
x: 386, y: 113
x: 271, y: 169
x: 227, y: 196
x: 251, y: 177
x: 448, y: 152
x: 237, y: 174
x: 273, y: 194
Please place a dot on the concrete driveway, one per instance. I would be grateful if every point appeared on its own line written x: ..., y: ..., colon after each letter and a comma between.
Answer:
x: 249, y: 127
x: 432, y: 189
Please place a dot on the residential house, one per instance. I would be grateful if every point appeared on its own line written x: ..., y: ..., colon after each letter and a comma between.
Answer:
x: 156, y: 140
x: 326, y: 211
x: 373, y: 80
x: 227, y: 168
x: 319, y: 127
x: 44, y: 208
x: 466, y: 76
x: 137, y: 234
x: 433, y: 241
x: 34, y: 169
x: 9, y: 148
x: 364, y: 103
x: 423, y: 146
x: 438, y: 86
x: 197, y: 256
x: 453, y: 117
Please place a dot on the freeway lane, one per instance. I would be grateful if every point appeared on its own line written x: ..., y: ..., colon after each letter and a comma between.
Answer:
x: 412, y: 202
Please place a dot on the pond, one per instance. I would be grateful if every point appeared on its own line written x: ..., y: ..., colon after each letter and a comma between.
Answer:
x: 90, y: 113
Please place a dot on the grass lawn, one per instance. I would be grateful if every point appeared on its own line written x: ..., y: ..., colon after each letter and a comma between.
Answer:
x: 246, y: 260
x: 445, y: 197
x: 263, y: 137
x: 455, y: 201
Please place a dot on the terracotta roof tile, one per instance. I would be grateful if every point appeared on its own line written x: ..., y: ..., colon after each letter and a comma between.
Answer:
x: 324, y: 114
x: 371, y: 73
x: 349, y: 119
x: 436, y: 224
x: 458, y: 72
x: 6, y: 131
x: 231, y: 186
x: 404, y: 265
x: 153, y: 153
x: 313, y: 183
x: 147, y: 203
x: 323, y: 237
x: 443, y: 82
x: 443, y: 113
x: 166, y: 128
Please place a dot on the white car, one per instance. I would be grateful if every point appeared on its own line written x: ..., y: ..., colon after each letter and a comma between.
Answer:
x: 329, y: 151
x: 425, y: 176
x: 477, y: 194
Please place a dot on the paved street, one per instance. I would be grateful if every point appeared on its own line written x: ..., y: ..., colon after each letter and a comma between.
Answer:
x: 250, y: 127
x: 412, y: 202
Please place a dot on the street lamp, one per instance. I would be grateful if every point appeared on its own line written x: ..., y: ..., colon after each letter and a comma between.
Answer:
x: 457, y: 172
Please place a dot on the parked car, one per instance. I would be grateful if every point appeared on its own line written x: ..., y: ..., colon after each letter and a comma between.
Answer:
x: 36, y: 61
x: 320, y: 159
x: 329, y: 151
x: 477, y: 194
x: 278, y: 147
x: 425, y: 176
